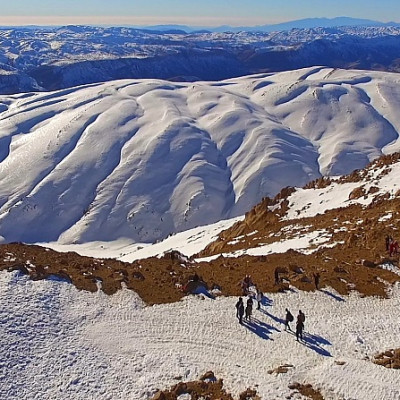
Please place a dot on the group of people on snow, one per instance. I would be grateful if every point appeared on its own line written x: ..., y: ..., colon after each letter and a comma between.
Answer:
x: 250, y: 289
x: 392, y: 245
x: 299, y: 323
x: 245, y: 284
x: 247, y: 311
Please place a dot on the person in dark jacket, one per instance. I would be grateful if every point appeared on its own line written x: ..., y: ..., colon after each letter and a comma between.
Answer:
x: 317, y: 277
x: 276, y: 276
x: 300, y: 325
x: 259, y: 298
x: 249, y: 308
x: 288, y: 318
x: 240, y: 310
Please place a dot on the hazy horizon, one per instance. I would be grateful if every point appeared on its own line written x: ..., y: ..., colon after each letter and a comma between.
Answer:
x: 123, y: 21
x: 205, y: 13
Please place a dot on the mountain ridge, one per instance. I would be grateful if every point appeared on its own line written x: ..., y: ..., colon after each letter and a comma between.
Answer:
x: 143, y: 159
x: 62, y: 57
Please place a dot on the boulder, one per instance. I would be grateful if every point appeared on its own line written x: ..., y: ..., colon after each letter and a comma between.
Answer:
x: 159, y: 396
x: 195, y: 286
x: 357, y: 193
x: 209, y: 375
x: 369, y: 264
x: 138, y: 275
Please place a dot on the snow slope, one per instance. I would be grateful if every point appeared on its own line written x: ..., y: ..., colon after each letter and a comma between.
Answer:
x: 141, y: 159
x: 58, y: 342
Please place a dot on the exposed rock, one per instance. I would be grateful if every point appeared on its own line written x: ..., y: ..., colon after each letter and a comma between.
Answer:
x: 357, y: 193
x: 296, y: 269
x: 373, y: 189
x: 305, y: 279
x: 208, y: 375
x: 159, y: 396
x: 369, y: 264
x: 179, y: 389
x: 138, y: 275
x: 249, y: 394
x: 282, y: 369
x: 388, y: 359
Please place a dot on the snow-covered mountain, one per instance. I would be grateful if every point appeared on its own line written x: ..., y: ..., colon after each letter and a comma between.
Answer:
x: 13, y: 80
x: 60, y: 342
x: 142, y: 158
x: 56, y: 58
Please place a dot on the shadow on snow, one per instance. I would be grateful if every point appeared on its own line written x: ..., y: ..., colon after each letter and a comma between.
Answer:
x: 334, y: 296
x: 314, y: 342
x: 259, y: 328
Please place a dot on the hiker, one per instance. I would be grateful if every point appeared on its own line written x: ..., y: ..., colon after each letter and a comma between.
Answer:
x: 288, y: 318
x: 276, y: 275
x: 316, y: 280
x: 248, y: 281
x: 259, y: 298
x: 243, y: 286
x: 393, y: 248
x: 396, y: 247
x: 388, y: 240
x: 195, y: 277
x: 299, y: 330
x: 249, y: 308
x: 240, y: 310
x: 300, y: 325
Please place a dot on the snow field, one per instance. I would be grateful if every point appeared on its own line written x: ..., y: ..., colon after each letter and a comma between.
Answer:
x: 58, y: 342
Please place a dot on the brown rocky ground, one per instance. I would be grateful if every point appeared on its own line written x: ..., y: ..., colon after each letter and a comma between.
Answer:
x: 388, y: 359
x: 209, y: 388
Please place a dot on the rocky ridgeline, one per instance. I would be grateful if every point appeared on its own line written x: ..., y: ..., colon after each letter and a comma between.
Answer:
x: 267, y: 217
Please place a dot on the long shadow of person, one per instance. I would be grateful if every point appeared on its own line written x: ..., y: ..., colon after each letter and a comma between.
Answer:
x: 314, y: 342
x: 336, y: 297
x: 267, y: 302
x: 258, y: 327
x: 276, y: 319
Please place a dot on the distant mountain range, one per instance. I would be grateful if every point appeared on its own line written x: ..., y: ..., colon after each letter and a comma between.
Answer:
x: 34, y: 59
x: 306, y: 23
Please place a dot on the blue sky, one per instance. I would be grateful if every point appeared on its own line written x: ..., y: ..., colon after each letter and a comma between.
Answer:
x: 200, y: 12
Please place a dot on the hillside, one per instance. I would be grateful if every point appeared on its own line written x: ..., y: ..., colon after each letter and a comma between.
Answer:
x: 117, y: 346
x: 141, y: 159
x: 335, y: 227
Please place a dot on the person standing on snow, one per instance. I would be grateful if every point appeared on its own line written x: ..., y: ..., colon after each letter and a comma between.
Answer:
x: 300, y: 325
x: 288, y: 318
x: 240, y: 310
x: 259, y: 298
x: 249, y: 308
